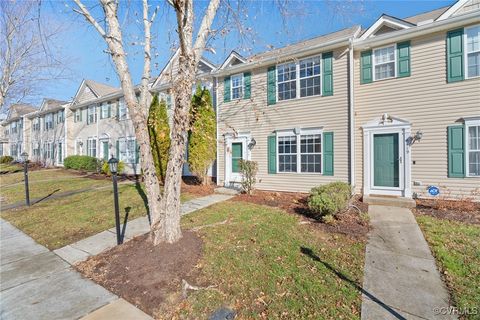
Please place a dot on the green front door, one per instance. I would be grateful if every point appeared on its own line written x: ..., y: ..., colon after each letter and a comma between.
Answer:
x: 105, y: 150
x: 237, y: 154
x: 386, y: 160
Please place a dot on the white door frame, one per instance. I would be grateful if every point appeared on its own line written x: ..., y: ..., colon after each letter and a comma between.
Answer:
x: 234, y: 178
x: 381, y: 126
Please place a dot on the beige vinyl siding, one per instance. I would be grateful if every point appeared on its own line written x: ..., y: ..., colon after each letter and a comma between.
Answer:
x: 430, y: 104
x: 258, y: 118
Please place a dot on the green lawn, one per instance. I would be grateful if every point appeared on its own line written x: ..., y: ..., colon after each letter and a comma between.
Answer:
x: 35, y: 175
x: 456, y: 247
x: 256, y: 263
x: 8, y: 168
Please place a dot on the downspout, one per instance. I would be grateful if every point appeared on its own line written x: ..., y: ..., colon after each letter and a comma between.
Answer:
x: 215, y: 86
x: 351, y: 113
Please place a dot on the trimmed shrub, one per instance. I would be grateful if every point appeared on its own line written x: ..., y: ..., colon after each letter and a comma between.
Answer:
x: 249, y: 175
x: 159, y: 133
x: 6, y: 159
x: 202, y: 146
x: 86, y: 163
x: 329, y: 199
x: 106, y: 168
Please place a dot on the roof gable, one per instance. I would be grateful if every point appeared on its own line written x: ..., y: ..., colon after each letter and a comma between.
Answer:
x: 459, y: 8
x: 233, y: 58
x: 90, y: 90
x: 18, y: 110
x: 385, y: 24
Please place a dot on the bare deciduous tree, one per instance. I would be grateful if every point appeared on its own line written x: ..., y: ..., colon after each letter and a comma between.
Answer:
x: 27, y: 61
x: 164, y: 208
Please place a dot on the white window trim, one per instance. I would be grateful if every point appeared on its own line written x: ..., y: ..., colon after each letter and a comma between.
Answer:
x: 465, y: 53
x: 89, y: 113
x: 297, y: 78
x: 104, y: 107
x: 469, y: 123
x: 395, y: 59
x: 309, y: 77
x: 242, y: 86
x: 89, y: 146
x: 298, y: 133
x: 125, y: 140
x: 121, y: 102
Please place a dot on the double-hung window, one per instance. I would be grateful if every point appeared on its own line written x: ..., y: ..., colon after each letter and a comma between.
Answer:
x: 105, y: 110
x: 310, y: 77
x: 473, y: 148
x: 92, y: 114
x: 287, y: 81
x: 122, y: 110
x: 92, y: 147
x: 126, y: 150
x: 237, y: 86
x: 384, y: 62
x: 13, y: 127
x: 472, y: 51
x: 36, y: 124
x: 300, y: 153
x: 49, y: 121
x: 60, y: 116
x: 78, y: 115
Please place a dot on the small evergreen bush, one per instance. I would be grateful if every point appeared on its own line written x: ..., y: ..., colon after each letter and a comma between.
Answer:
x: 106, y: 168
x: 6, y: 159
x: 329, y: 199
x: 86, y: 163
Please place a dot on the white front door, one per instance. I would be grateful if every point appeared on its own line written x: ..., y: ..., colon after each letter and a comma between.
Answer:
x: 386, y: 156
x: 236, y: 149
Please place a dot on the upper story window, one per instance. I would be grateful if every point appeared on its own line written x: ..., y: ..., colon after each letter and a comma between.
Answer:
x: 105, y: 110
x: 6, y: 132
x: 60, y: 116
x: 36, y: 124
x: 122, y: 110
x: 237, y: 86
x: 77, y: 115
x: 287, y: 81
x: 384, y: 62
x: 310, y: 77
x: 473, y: 148
x: 13, y: 127
x: 472, y: 51
x: 300, y: 79
x: 48, y: 121
x: 92, y: 114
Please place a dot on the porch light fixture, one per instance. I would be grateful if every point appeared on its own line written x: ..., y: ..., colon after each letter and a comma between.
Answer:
x: 417, y: 137
x: 113, y: 165
x: 252, y: 144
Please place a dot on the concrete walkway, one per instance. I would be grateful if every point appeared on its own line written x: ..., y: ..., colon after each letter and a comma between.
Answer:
x: 81, y: 250
x: 37, y: 284
x: 401, y: 280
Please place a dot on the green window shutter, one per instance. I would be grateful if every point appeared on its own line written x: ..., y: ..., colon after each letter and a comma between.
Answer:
x: 403, y: 54
x: 272, y: 154
x: 137, y: 152
x: 456, y: 152
x: 328, y: 153
x: 366, y: 72
x: 81, y: 114
x: 74, y: 116
x: 109, y: 110
x: 118, y: 150
x: 271, y: 85
x: 248, y: 85
x: 455, y: 55
x: 226, y: 89
x: 327, y: 85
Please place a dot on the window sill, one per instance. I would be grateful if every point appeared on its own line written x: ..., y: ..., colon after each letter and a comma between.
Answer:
x: 302, y: 98
x: 301, y: 173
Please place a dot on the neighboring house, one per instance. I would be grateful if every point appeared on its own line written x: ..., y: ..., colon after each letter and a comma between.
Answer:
x: 16, y: 130
x: 419, y: 77
x: 288, y: 110
x: 47, y: 142
x: 393, y: 109
x: 163, y: 87
x: 3, y: 138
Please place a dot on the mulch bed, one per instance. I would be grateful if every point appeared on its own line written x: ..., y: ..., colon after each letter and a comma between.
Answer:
x: 146, y: 275
x: 349, y: 223
x: 465, y: 211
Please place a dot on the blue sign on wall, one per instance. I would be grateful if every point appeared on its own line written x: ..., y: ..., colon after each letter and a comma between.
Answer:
x: 433, y: 190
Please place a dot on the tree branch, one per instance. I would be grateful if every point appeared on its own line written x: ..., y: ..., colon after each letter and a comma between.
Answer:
x: 84, y: 11
x: 204, y: 30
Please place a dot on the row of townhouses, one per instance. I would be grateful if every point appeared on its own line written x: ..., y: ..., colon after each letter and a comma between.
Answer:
x: 393, y: 109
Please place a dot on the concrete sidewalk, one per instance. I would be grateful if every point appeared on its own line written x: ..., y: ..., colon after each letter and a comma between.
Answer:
x: 401, y: 280
x: 37, y: 284
x: 81, y: 250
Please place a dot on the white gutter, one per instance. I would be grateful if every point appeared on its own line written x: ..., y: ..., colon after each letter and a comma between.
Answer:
x: 215, y: 81
x: 351, y: 113
x: 417, y: 31
x: 272, y: 60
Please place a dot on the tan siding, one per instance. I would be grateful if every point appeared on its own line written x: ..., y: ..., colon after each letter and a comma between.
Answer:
x: 430, y: 104
x: 261, y: 120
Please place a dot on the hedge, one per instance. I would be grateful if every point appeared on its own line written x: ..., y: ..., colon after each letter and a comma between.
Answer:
x: 86, y: 163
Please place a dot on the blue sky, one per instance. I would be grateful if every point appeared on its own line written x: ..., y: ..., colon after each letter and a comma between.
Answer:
x: 83, y: 47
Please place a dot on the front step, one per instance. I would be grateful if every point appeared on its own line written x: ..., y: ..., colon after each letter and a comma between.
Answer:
x: 227, y: 191
x: 390, y: 201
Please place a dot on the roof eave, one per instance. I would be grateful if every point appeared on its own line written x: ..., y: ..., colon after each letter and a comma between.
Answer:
x: 417, y: 31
